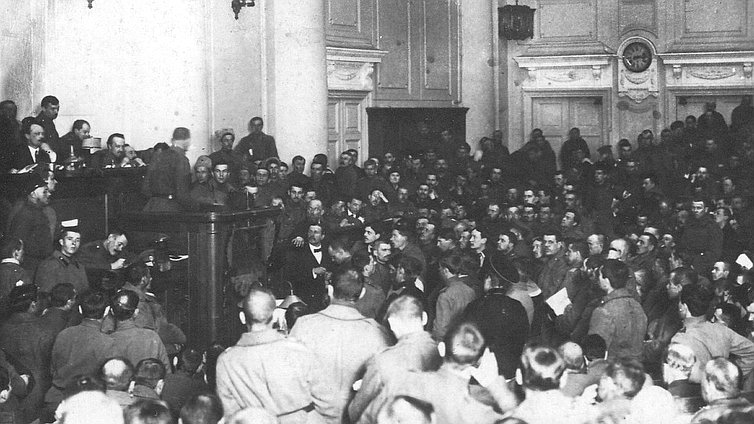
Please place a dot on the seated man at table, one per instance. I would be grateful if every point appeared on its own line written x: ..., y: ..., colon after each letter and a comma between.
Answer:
x: 72, y: 142
x: 99, y: 257
x: 112, y: 156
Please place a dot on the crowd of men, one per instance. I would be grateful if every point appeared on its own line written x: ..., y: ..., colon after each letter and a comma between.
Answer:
x: 431, y: 285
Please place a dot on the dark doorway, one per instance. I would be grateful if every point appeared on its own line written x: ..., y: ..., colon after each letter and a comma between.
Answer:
x: 398, y: 130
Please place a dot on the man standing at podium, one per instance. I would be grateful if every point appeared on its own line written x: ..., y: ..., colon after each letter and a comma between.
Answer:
x: 168, y: 177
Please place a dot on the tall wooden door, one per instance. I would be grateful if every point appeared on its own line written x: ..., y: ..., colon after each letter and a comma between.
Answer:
x: 555, y: 116
x: 346, y: 126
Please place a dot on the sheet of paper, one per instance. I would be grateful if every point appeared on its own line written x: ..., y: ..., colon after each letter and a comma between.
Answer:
x: 559, y: 301
x: 744, y: 261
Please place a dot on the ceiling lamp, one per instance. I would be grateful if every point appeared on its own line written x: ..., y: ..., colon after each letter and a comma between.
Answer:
x: 90, y: 3
x: 236, y: 5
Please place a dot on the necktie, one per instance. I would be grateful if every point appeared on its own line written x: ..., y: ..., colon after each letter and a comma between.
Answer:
x: 36, y: 156
x: 317, y: 250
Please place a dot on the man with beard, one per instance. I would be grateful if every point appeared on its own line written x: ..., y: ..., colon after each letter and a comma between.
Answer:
x: 112, y: 156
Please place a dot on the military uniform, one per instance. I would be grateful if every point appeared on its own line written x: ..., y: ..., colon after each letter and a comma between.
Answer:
x: 136, y: 343
x: 621, y: 322
x: 167, y: 182
x: 25, y: 339
x: 78, y: 350
x: 60, y: 268
x: 344, y: 340
x: 249, y: 376
x: 413, y: 352
x: 11, y: 274
x: 94, y: 255
x: 32, y: 226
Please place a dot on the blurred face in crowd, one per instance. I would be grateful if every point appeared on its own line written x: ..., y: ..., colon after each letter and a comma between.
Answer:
x: 354, y: 206
x: 674, y: 286
x: 529, y: 214
x: 40, y: 196
x: 512, y: 214
x: 262, y: 177
x: 370, y: 236
x: 537, y: 249
x: 370, y: 170
x: 35, y: 136
x: 382, y: 252
x: 395, y: 178
x: 570, y: 201
x: 398, y: 240
x: 299, y: 165
x: 643, y: 245
x: 316, y: 171
x: 573, y: 257
x: 432, y: 180
x: 314, y: 235
x: 83, y: 132
x: 309, y: 196
x: 545, y: 214
x: 314, y: 210
x: 244, y: 176
x: 529, y: 197
x: 718, y: 271
x: 427, y: 234
x: 702, y: 173
x: 551, y: 245
x: 595, y: 245
x: 227, y: 141
x: 504, y: 243
x: 296, y: 194
x: 441, y: 166
x: 496, y: 175
x: 70, y: 243
x: 493, y: 211
x: 569, y: 220
x: 115, y: 244
x: 512, y: 195
x: 600, y: 176
x: 221, y: 173
x: 445, y: 244
x: 559, y: 180
x: 345, y: 159
x: 202, y: 174
x: 50, y: 110
x: 477, y: 241
x: 698, y: 209
x: 422, y: 192
x: 402, y: 194
x: 51, y: 182
x: 388, y: 158
x: 117, y: 147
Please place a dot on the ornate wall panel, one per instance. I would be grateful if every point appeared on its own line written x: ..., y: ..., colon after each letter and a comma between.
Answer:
x: 422, y: 40
x: 566, y: 26
x: 350, y: 23
x: 394, y: 77
x: 637, y: 14
x: 700, y: 25
x: 634, y: 118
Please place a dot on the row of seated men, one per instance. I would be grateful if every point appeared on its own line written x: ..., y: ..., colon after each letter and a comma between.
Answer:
x: 337, y: 366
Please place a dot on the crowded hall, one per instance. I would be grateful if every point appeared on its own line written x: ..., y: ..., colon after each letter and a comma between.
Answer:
x: 377, y: 212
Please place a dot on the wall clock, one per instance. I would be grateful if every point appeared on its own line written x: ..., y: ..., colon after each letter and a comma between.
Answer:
x: 637, y: 57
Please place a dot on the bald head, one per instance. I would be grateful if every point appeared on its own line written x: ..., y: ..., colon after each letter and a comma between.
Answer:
x: 573, y: 355
x: 117, y: 373
x: 258, y: 307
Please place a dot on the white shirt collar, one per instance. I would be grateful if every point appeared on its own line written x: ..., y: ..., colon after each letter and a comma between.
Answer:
x: 10, y: 261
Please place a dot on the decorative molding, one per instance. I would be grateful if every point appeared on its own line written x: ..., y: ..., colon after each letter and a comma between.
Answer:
x: 574, y: 72
x: 722, y: 69
x: 351, y: 69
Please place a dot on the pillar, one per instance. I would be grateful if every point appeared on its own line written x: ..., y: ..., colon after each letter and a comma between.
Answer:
x: 295, y: 70
x: 477, y: 68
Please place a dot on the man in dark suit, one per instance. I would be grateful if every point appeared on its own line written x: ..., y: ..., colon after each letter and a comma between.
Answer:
x: 306, y: 267
x: 257, y: 145
x: 31, y: 152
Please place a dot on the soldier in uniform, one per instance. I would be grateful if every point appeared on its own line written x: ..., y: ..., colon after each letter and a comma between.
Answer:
x: 132, y: 342
x: 63, y: 266
x: 168, y: 176
x: 25, y: 339
x: 11, y: 272
x: 151, y: 315
x: 267, y: 370
x: 99, y: 257
x: 79, y: 350
x: 32, y: 225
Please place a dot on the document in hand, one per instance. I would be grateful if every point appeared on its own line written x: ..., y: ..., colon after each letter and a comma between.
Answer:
x: 559, y: 301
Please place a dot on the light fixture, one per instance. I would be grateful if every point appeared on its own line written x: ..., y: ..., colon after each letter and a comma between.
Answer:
x: 90, y: 3
x: 236, y: 5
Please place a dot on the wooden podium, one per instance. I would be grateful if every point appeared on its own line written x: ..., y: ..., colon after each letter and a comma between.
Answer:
x: 211, y: 312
